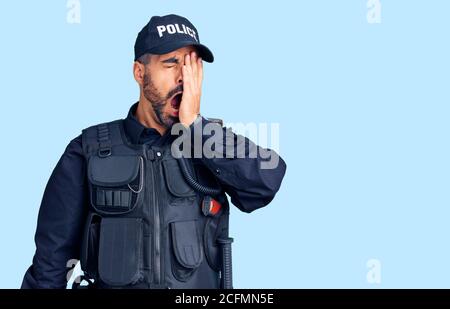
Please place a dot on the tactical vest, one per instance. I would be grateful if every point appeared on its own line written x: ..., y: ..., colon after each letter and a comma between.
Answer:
x: 145, y: 227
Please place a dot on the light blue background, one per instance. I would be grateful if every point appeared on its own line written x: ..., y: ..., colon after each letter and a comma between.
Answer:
x: 363, y: 112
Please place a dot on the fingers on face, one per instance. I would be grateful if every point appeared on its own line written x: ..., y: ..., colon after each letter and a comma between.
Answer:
x: 192, y: 70
x: 186, y: 77
x: 200, y: 69
x: 187, y: 60
x: 194, y: 63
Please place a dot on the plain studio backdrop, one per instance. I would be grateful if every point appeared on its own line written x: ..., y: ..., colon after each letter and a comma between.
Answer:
x: 361, y: 100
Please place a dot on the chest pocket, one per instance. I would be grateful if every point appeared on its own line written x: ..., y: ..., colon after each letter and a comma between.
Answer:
x: 115, y: 183
x: 180, y: 191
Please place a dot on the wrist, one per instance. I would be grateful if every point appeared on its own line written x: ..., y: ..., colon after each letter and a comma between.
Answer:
x: 188, y: 122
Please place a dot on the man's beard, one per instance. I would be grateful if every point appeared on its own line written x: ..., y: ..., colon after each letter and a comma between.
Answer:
x: 158, y: 101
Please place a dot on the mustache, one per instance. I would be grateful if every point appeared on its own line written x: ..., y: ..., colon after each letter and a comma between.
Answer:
x: 179, y: 88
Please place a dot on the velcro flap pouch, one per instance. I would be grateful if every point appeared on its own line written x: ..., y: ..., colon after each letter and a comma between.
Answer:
x: 115, y: 181
x: 175, y: 180
x: 120, y: 259
x: 187, y: 244
x: 113, y: 170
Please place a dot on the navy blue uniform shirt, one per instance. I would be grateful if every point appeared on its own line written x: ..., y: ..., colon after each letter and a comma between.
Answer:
x: 64, y: 205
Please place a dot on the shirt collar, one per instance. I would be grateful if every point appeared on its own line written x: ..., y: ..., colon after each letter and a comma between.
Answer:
x: 135, y: 131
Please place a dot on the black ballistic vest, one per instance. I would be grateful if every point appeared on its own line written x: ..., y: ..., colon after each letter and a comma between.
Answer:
x: 145, y: 227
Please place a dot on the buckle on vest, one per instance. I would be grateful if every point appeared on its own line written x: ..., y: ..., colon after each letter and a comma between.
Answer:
x: 104, y: 152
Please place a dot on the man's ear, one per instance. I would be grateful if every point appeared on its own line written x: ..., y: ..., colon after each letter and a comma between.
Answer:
x: 138, y: 72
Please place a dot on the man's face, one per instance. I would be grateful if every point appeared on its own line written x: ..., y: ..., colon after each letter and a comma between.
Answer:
x: 162, y: 84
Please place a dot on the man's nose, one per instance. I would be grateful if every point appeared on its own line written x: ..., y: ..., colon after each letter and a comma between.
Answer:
x: 180, y: 78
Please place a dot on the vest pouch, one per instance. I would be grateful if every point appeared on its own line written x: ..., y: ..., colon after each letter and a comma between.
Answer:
x: 115, y: 183
x: 180, y: 190
x: 89, y: 250
x: 187, y: 251
x: 211, y: 233
x: 120, y: 258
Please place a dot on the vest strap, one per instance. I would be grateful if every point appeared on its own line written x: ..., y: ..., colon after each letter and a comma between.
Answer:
x: 104, y: 141
x: 99, y: 139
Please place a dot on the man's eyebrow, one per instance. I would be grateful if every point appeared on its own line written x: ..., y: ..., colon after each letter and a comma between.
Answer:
x: 170, y: 60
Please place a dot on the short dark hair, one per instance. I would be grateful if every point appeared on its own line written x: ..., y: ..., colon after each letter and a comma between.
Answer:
x: 144, y: 59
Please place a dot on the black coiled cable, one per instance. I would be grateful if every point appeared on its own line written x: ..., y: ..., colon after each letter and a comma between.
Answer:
x: 194, y: 184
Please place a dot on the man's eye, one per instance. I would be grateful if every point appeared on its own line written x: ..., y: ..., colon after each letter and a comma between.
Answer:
x: 170, y: 66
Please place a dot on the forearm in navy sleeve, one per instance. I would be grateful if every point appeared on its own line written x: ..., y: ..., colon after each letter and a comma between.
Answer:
x: 250, y: 181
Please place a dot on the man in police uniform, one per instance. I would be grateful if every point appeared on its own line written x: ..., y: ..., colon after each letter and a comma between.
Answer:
x: 121, y: 202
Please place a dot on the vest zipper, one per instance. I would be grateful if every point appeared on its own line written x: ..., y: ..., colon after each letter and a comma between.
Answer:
x: 157, y: 230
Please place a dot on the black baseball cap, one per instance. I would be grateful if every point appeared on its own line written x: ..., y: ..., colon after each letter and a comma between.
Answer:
x: 164, y: 34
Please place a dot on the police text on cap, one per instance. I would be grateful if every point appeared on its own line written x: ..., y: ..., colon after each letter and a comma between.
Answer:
x: 175, y: 28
